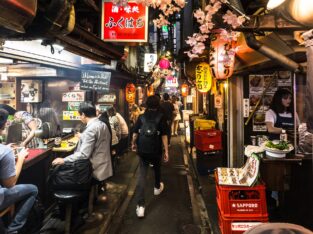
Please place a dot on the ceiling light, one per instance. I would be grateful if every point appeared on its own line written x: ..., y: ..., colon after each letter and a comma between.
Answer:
x: 274, y: 3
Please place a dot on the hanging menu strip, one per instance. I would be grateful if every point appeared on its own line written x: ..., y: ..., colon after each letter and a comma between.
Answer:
x: 95, y: 80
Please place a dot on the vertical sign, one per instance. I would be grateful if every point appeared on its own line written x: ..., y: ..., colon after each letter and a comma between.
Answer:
x: 124, y: 23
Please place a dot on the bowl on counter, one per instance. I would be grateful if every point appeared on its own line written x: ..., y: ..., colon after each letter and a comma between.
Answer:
x: 276, y: 153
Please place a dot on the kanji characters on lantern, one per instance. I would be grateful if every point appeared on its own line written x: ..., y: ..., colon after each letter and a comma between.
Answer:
x: 222, y: 54
x: 130, y: 93
x: 203, y: 77
x: 184, y: 90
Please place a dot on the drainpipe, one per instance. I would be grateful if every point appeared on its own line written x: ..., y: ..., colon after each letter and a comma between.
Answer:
x: 265, y: 50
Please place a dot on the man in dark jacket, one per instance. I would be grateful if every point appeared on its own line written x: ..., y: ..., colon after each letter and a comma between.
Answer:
x: 150, y: 132
x: 167, y: 108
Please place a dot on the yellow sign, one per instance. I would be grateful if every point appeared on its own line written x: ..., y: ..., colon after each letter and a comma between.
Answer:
x: 71, y: 115
x: 203, y: 77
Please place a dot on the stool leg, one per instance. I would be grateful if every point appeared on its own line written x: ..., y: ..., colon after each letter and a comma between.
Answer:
x: 90, y: 201
x: 68, y: 214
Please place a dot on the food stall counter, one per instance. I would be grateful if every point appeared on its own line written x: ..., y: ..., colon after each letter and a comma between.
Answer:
x: 34, y: 156
x: 67, y: 145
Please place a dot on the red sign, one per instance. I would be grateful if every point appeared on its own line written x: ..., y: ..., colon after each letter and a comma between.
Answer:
x: 124, y: 23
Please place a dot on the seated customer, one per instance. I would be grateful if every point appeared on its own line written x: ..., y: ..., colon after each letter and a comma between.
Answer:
x: 94, y: 144
x: 23, y: 195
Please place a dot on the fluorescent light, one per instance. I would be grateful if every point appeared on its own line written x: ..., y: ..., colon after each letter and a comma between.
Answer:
x: 274, y: 3
x: 58, y: 47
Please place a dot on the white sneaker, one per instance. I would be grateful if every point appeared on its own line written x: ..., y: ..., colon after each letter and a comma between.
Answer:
x: 159, y: 191
x: 140, y: 211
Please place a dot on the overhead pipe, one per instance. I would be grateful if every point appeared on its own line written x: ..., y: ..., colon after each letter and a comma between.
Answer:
x: 253, y: 43
x: 270, y: 53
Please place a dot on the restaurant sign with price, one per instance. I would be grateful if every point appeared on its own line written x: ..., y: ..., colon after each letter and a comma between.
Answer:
x: 124, y: 23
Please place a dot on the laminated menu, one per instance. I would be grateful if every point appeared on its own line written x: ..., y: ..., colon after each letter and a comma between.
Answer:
x: 244, y: 176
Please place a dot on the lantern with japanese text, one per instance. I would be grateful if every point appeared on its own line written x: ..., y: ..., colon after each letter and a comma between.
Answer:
x: 150, y: 91
x: 130, y: 93
x: 222, y: 54
x: 164, y: 63
x: 203, y: 77
x: 184, y: 90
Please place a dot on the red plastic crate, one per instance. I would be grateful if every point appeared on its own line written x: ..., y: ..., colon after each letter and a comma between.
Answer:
x: 208, y: 140
x: 235, y: 201
x: 238, y: 225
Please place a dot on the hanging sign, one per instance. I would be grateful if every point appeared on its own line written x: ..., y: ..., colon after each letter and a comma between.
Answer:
x: 95, y: 80
x: 71, y: 115
x: 171, y: 82
x: 124, y: 23
x: 107, y: 98
x: 203, y: 77
x: 218, y: 101
x: 130, y: 93
x: 222, y: 54
x: 73, y: 106
x: 150, y: 61
x: 189, y: 99
x: 73, y: 96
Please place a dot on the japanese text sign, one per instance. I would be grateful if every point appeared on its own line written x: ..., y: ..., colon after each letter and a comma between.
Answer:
x: 73, y: 96
x: 124, y: 23
x: 203, y: 77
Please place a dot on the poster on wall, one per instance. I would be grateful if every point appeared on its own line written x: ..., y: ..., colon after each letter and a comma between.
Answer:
x: 106, y: 98
x: 31, y: 91
x: 150, y: 61
x: 71, y: 115
x: 124, y: 23
x: 73, y: 96
x: 269, y: 82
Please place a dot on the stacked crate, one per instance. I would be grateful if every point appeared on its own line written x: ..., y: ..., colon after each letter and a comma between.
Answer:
x: 209, y: 150
x: 240, y: 208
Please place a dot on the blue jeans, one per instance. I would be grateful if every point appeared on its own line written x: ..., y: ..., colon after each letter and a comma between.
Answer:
x: 24, y: 195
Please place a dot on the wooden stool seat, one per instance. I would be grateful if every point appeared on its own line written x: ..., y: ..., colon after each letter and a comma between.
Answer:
x: 9, y: 210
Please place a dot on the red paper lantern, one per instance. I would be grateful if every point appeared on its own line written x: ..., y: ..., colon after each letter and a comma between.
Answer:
x: 222, y: 54
x: 164, y: 63
x: 184, y: 90
x: 130, y: 93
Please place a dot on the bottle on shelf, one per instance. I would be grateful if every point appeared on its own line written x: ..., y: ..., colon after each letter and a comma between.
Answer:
x: 283, y: 135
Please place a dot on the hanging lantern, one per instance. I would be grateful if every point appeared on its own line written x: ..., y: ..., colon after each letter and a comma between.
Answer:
x: 130, y: 93
x: 184, y: 90
x: 164, y: 63
x: 301, y: 11
x: 150, y: 91
x: 203, y: 77
x: 222, y: 54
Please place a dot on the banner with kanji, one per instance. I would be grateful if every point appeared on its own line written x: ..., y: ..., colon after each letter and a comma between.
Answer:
x: 124, y: 23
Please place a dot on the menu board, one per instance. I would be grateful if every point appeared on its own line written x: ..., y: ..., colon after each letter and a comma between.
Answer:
x: 245, y: 176
x: 71, y: 115
x: 95, y: 80
x: 73, y: 96
x: 257, y: 84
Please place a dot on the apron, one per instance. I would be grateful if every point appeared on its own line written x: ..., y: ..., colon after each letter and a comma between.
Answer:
x: 286, y: 123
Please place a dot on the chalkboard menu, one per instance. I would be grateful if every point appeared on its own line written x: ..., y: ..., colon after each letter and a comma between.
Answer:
x: 95, y: 80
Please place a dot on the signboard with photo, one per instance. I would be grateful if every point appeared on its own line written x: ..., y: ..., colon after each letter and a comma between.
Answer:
x: 150, y: 61
x: 107, y: 98
x: 124, y: 23
x: 269, y: 82
x: 73, y: 96
x: 31, y: 91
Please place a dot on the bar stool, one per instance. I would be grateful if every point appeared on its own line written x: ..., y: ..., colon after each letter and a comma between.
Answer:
x: 69, y: 198
x: 9, y: 211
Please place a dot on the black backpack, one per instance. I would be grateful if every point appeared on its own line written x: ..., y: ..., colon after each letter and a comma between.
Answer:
x: 149, y: 139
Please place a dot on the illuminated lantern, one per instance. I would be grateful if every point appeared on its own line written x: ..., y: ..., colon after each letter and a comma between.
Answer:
x: 203, y: 77
x: 301, y: 11
x: 184, y: 90
x: 164, y: 63
x: 150, y: 91
x: 130, y: 93
x: 222, y: 54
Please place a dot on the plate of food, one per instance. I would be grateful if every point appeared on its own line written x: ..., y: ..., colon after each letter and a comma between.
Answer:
x: 277, y: 149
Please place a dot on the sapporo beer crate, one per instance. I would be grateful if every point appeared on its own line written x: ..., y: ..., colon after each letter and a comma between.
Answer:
x: 240, y: 201
x: 204, y: 124
x: 238, y: 225
x: 208, y: 140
